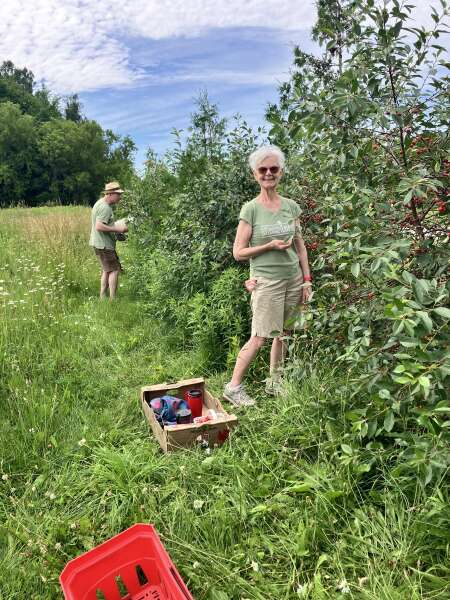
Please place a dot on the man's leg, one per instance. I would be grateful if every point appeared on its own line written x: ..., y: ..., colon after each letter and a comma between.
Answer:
x: 104, y: 283
x: 113, y: 281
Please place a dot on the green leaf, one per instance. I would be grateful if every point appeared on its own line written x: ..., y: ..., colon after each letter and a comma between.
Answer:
x: 322, y: 559
x: 409, y: 344
x: 347, y: 449
x: 402, y: 380
x: 421, y: 287
x: 363, y: 468
x: 442, y: 312
x: 372, y: 427
x: 428, y: 474
x: 355, y: 268
x: 424, y: 381
x: 389, y: 421
x: 376, y: 264
x: 300, y: 488
x: 384, y: 393
x: 424, y: 317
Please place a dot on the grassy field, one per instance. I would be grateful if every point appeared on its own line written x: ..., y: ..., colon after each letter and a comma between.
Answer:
x: 270, y: 515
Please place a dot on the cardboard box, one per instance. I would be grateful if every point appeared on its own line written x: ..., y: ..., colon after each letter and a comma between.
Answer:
x: 177, y: 437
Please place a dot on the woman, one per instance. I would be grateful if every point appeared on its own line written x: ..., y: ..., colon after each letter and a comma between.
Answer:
x: 269, y: 235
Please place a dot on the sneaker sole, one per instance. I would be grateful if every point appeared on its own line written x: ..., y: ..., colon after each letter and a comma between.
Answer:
x: 237, y: 404
x: 231, y: 400
x: 270, y: 392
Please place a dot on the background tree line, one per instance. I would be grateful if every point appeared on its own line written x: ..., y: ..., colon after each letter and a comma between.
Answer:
x: 49, y: 152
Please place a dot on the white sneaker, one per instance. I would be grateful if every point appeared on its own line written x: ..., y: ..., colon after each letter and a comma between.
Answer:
x: 237, y: 395
x: 274, y: 387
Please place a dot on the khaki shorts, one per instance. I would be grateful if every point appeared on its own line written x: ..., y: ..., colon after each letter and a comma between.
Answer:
x: 108, y: 259
x: 273, y: 302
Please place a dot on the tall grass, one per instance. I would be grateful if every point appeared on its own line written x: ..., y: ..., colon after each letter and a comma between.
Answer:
x: 273, y: 514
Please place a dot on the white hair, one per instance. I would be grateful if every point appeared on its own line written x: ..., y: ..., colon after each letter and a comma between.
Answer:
x: 262, y: 153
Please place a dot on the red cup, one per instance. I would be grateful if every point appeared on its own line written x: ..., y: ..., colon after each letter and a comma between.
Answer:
x: 194, y: 399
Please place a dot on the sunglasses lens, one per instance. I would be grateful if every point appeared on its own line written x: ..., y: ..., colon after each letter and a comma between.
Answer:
x: 263, y: 170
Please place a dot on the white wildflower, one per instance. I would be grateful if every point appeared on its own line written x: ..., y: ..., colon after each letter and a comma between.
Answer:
x: 198, y: 504
x: 343, y: 586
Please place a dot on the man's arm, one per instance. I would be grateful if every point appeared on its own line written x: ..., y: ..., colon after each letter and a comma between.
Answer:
x: 100, y: 226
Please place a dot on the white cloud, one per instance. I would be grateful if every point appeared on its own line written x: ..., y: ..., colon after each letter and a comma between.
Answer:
x: 62, y: 44
x: 79, y: 45
x: 74, y: 45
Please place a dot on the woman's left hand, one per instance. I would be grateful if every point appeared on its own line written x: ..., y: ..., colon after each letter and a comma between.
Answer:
x: 306, y: 292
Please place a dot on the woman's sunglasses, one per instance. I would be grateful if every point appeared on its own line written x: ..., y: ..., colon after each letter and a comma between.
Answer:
x: 263, y: 170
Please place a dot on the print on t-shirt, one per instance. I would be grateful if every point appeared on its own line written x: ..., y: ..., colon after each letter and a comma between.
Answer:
x: 277, y: 229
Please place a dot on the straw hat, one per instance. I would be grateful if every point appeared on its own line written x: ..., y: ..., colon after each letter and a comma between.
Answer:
x: 113, y: 187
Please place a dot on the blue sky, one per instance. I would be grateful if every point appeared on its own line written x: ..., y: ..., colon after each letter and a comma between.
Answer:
x: 138, y: 65
x: 232, y: 64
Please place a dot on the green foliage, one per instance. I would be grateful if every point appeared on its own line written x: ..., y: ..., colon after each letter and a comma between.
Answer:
x: 184, y: 214
x: 72, y: 109
x: 18, y: 143
x: 369, y: 162
x: 45, y: 157
x: 216, y: 321
x: 275, y: 513
x: 16, y: 86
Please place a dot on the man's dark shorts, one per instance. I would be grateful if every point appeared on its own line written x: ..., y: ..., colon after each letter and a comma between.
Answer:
x: 108, y: 259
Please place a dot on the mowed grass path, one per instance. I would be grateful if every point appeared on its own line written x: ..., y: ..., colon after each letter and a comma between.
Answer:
x: 267, y: 516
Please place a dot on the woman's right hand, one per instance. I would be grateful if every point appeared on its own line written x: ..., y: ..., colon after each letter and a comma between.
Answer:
x: 279, y: 244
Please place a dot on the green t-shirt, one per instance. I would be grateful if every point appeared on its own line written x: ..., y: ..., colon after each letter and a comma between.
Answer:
x: 102, y: 211
x: 267, y: 226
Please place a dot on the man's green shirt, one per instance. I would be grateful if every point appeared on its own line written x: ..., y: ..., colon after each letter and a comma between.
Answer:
x: 102, y: 211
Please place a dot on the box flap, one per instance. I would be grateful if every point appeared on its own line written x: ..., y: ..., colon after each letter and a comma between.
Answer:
x: 164, y: 387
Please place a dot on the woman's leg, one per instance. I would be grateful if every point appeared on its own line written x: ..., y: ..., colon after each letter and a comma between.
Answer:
x: 247, y: 353
x: 277, y: 355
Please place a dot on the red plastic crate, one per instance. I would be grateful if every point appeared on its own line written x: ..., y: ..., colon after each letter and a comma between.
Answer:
x: 133, y: 565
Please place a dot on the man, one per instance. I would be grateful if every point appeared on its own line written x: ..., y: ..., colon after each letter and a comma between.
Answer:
x: 103, y: 238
